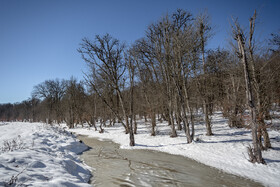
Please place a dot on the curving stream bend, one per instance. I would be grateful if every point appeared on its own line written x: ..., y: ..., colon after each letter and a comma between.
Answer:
x: 121, y: 167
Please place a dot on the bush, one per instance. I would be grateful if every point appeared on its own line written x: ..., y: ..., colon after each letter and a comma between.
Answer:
x: 11, y: 145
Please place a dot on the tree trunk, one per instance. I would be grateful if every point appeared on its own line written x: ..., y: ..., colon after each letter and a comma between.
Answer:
x: 178, y: 115
x: 171, y: 120
x: 127, y: 129
x: 93, y: 123
x: 186, y: 123
x: 188, y: 106
x: 153, y: 116
x: 263, y: 133
x: 135, y: 125
x: 192, y: 122
x: 132, y: 116
x: 256, y: 151
x: 131, y: 134
x: 207, y: 120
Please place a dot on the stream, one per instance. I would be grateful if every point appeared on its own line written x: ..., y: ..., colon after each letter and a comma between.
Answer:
x: 113, y: 166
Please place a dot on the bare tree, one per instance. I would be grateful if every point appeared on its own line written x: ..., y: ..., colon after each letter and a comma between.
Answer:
x: 148, y: 80
x: 262, y: 106
x: 204, y: 29
x: 131, y: 71
x: 107, y: 64
x: 74, y: 102
x: 52, y: 91
x: 181, y: 28
x: 254, y: 153
x: 91, y: 110
x: 105, y: 59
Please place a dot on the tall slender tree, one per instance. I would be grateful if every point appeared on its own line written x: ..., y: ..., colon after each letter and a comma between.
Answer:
x: 254, y: 153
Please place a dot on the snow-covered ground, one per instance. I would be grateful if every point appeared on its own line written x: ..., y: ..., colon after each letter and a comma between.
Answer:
x: 226, y: 150
x: 35, y: 154
x: 40, y: 155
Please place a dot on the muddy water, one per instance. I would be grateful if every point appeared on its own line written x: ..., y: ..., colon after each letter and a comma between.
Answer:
x: 118, y: 167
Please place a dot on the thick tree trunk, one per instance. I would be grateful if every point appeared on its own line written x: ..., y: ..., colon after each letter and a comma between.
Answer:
x: 171, y: 120
x: 207, y: 120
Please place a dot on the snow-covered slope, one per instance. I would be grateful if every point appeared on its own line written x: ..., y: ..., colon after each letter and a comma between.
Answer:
x: 225, y: 150
x: 35, y: 154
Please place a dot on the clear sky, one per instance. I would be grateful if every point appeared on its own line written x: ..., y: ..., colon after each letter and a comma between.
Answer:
x: 39, y: 38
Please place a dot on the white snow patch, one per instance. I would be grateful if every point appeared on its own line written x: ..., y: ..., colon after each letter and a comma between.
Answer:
x: 35, y: 154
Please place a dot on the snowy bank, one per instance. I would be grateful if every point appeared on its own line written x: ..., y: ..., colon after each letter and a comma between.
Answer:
x: 35, y: 154
x: 226, y: 150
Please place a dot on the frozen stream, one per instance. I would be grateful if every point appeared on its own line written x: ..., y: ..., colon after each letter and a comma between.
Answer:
x: 121, y: 167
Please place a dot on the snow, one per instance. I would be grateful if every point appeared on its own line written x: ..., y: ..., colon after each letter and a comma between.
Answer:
x: 226, y: 150
x: 36, y: 154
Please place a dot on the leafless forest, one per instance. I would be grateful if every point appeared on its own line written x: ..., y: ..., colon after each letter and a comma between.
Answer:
x: 168, y: 75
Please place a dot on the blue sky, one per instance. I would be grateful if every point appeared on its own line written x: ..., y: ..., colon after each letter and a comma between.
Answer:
x: 39, y: 39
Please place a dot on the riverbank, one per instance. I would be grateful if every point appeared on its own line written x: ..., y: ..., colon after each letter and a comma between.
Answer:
x: 36, y: 154
x: 226, y: 150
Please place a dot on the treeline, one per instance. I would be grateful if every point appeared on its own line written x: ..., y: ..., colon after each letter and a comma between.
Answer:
x: 166, y: 75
